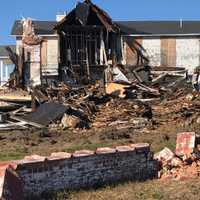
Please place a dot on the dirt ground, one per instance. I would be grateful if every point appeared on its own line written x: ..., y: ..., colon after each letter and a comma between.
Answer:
x: 16, y: 144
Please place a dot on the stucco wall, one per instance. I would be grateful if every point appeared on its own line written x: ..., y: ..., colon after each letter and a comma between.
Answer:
x: 188, y: 53
x: 153, y: 48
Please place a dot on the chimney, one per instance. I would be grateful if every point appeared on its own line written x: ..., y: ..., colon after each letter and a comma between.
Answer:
x: 60, y: 17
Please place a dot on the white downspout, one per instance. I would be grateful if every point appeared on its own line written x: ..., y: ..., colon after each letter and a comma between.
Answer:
x: 1, y: 78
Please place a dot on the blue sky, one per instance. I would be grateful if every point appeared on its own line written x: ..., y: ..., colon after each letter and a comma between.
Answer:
x: 118, y: 10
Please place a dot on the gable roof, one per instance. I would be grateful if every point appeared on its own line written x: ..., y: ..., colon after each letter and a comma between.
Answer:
x: 141, y: 28
x: 41, y: 27
x: 153, y: 28
x: 3, y: 51
x: 83, y: 12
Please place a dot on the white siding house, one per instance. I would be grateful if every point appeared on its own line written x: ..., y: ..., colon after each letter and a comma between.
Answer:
x: 6, y: 66
x: 167, y: 43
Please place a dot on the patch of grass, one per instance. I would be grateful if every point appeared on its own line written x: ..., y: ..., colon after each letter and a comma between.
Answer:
x: 91, y: 147
x: 16, y: 154
x: 149, y: 190
x: 6, y: 156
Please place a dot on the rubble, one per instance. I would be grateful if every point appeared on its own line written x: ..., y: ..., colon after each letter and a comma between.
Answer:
x: 61, y: 106
x: 182, y: 164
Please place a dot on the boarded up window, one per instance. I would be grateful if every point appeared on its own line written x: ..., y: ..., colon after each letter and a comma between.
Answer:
x: 168, y: 52
x: 44, y: 54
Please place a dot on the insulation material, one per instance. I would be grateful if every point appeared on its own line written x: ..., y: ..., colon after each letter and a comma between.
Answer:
x: 153, y: 49
x: 119, y: 76
x: 188, y: 53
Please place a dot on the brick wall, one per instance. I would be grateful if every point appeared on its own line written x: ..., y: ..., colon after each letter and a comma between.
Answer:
x: 84, y: 169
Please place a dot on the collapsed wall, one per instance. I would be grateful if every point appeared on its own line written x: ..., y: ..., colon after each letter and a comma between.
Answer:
x: 83, y: 169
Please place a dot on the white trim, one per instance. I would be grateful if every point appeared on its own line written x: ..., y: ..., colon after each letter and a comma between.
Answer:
x: 1, y: 70
x: 50, y: 35
x: 159, y: 35
x: 4, y: 57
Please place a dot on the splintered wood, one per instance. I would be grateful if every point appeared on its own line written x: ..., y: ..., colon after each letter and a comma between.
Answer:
x: 120, y: 114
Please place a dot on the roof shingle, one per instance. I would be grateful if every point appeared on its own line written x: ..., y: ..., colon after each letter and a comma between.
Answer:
x: 127, y: 27
x: 41, y: 27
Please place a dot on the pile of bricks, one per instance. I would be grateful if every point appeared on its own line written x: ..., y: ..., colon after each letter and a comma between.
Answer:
x: 182, y: 164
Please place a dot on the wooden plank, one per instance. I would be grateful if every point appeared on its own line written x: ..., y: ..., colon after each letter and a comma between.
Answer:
x: 15, y: 98
x: 23, y: 121
x: 168, y: 52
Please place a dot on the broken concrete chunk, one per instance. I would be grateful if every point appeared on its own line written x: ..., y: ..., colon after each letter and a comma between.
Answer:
x: 185, y: 143
x: 165, y: 155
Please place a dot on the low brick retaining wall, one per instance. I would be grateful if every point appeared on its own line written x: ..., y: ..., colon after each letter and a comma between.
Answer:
x: 82, y: 169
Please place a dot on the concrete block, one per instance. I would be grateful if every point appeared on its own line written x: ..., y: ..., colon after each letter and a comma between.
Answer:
x: 59, y: 156
x: 105, y: 150
x: 82, y: 153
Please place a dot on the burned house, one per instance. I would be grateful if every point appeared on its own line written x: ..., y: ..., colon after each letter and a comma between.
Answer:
x: 86, y: 45
x: 89, y: 40
x: 77, y: 49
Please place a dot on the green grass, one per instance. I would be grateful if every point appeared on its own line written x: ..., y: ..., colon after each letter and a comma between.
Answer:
x: 149, y: 190
x: 14, y: 154
x: 6, y: 156
x: 91, y: 147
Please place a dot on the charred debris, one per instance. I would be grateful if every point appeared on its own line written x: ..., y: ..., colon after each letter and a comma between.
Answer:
x: 92, y: 78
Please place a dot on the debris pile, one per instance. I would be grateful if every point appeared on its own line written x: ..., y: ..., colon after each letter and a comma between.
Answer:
x: 133, y: 102
x: 184, y: 163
